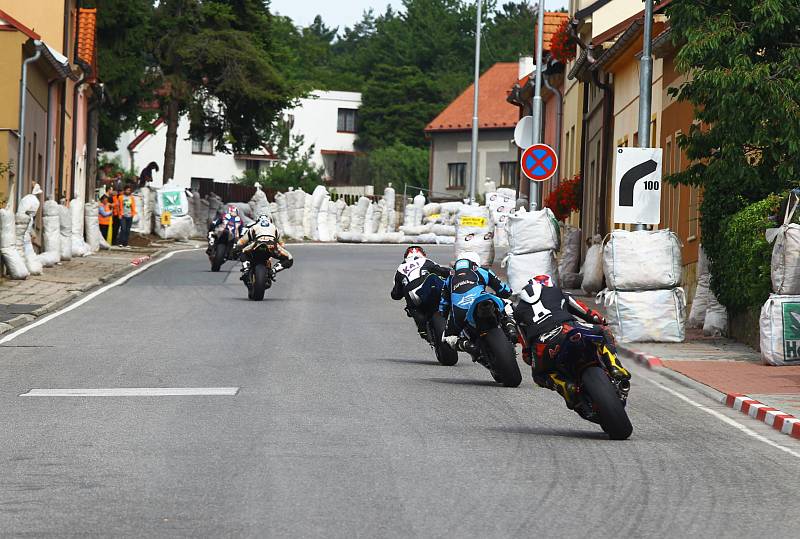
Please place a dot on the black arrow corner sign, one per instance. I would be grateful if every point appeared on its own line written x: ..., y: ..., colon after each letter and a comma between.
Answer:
x: 630, y: 178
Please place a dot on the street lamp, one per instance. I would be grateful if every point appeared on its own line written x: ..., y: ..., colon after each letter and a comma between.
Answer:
x: 474, y: 154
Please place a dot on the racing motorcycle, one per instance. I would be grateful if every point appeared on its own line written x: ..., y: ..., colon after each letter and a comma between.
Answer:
x: 426, y: 298
x: 260, y: 275
x: 585, y: 359
x: 494, y: 334
x: 221, y: 244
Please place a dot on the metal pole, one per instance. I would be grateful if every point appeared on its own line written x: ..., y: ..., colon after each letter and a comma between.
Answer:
x: 645, y: 82
x: 473, y: 178
x: 23, y: 99
x: 537, y: 100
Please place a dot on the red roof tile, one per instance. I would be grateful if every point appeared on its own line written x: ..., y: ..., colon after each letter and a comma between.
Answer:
x: 494, y: 112
x: 87, y: 35
x: 552, y: 20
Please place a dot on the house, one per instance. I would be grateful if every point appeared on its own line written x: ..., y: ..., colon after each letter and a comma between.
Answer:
x: 55, y: 41
x: 325, y: 120
x: 450, y: 135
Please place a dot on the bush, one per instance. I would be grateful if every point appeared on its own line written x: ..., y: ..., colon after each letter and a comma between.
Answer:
x: 397, y: 164
x: 740, y: 273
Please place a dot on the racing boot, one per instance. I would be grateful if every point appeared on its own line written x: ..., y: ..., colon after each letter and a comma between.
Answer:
x: 466, y: 345
x: 510, y: 329
x: 245, y: 270
x: 564, y: 388
x: 210, y: 243
x: 615, y: 368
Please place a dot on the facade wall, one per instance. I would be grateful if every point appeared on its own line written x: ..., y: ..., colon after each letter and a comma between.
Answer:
x: 494, y: 147
x: 614, y: 13
x: 45, y: 17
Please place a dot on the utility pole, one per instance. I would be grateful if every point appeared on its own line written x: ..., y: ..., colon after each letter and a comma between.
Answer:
x: 473, y: 177
x: 537, y: 100
x: 645, y: 82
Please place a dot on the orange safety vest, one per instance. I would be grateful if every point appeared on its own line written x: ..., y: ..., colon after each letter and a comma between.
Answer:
x: 120, y: 201
x: 104, y: 219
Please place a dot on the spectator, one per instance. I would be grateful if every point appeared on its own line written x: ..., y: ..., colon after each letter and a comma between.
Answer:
x: 126, y: 208
x: 104, y: 217
x: 147, y: 174
x: 115, y: 221
x: 119, y: 181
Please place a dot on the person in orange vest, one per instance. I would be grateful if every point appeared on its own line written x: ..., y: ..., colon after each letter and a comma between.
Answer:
x: 104, y: 215
x: 113, y: 197
x: 126, y: 209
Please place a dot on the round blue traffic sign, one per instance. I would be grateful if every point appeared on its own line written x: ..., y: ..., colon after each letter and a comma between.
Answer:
x: 539, y: 162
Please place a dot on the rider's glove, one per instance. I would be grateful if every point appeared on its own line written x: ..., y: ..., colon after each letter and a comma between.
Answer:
x: 598, y: 318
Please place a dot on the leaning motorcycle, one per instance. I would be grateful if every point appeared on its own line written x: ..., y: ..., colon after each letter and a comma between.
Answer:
x: 585, y: 359
x: 221, y: 245
x: 494, y: 334
x: 426, y: 299
x: 260, y: 275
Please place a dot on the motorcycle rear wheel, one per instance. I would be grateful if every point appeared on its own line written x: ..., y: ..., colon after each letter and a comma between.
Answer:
x: 219, y: 256
x: 502, y: 358
x: 259, y: 282
x: 445, y: 354
x: 613, y: 418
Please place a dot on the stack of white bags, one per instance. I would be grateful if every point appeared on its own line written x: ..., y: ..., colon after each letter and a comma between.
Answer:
x: 533, y: 239
x: 779, y: 323
x: 644, y: 301
x: 501, y: 205
x: 707, y: 312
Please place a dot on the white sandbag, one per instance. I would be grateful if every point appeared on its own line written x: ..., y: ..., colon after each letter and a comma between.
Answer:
x: 24, y: 226
x: 214, y: 207
x: 94, y: 238
x: 592, y: 281
x: 296, y: 203
x: 570, y: 259
x: 785, y: 264
x: 180, y: 228
x: 324, y: 232
x: 524, y: 267
x: 79, y: 245
x: 65, y: 228
x: 258, y: 202
x: 344, y: 218
x: 376, y: 218
x: 697, y: 314
x: 391, y: 219
x: 282, y: 214
x: 331, y: 219
x: 431, y: 211
x: 475, y: 232
x: 444, y: 240
x: 29, y: 204
x: 51, y: 234
x: 443, y: 230
x: 12, y: 257
x: 368, y: 219
x: 358, y: 215
x: 389, y: 197
x: 716, y: 320
x: 501, y: 204
x: 415, y: 230
x: 198, y: 209
x: 318, y: 196
x: 647, y: 315
x: 350, y: 237
x: 529, y: 232
x: 779, y: 328
x: 570, y: 281
x: 642, y: 260
x: 385, y: 237
x: 173, y: 199
x: 308, y: 228
x: 383, y: 226
x: 489, y: 185
x: 414, y: 212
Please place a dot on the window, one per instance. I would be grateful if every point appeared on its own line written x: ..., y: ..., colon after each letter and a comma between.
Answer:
x: 252, y: 164
x: 569, y: 156
x: 573, y: 163
x: 347, y: 121
x: 509, y: 173
x: 203, y: 146
x: 456, y: 175
x: 289, y: 121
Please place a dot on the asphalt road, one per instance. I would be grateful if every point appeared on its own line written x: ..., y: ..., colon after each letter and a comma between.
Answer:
x: 344, y: 426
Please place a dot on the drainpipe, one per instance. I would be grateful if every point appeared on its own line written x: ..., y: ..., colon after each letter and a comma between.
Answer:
x: 23, y: 98
x: 80, y: 82
x: 559, y: 118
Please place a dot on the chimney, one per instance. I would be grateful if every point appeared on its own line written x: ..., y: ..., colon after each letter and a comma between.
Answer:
x: 525, y: 66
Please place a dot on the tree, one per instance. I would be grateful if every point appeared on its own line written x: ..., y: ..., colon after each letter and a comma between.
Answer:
x: 397, y: 164
x: 742, y: 59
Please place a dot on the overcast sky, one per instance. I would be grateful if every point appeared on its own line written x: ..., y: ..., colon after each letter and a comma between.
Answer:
x: 344, y: 13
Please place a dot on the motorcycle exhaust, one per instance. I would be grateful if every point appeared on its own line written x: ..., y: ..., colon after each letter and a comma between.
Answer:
x: 624, y: 386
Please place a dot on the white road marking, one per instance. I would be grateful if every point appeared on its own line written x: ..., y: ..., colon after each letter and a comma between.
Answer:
x: 91, y: 296
x: 723, y: 418
x: 134, y: 392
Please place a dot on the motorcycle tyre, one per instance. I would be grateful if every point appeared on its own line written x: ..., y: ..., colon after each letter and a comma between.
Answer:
x: 260, y: 277
x: 446, y: 355
x: 503, y: 360
x: 613, y: 418
x: 219, y: 257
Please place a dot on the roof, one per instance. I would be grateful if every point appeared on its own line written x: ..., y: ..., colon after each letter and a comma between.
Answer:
x: 7, y: 22
x: 87, y: 36
x: 494, y: 112
x: 552, y: 20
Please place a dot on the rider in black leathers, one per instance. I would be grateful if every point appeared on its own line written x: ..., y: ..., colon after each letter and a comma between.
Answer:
x: 411, y: 281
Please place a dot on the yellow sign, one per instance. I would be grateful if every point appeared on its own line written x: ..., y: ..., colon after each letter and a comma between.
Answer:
x: 166, y: 218
x: 434, y: 216
x: 473, y: 221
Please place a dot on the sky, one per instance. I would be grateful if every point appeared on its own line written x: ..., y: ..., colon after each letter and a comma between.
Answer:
x: 344, y: 13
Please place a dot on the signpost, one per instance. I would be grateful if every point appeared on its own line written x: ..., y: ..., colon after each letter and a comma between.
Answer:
x: 539, y: 162
x: 637, y: 186
x: 523, y: 132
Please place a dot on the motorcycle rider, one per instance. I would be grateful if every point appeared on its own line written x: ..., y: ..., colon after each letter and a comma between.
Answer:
x: 411, y: 282
x: 230, y: 219
x: 541, y: 312
x: 262, y: 229
x: 466, y: 278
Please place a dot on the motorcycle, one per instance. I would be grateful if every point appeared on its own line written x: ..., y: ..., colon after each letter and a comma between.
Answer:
x: 585, y: 360
x: 221, y: 244
x: 494, y: 334
x: 426, y: 298
x: 260, y: 276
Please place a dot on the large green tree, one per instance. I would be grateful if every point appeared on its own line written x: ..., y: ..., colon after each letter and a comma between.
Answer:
x: 742, y: 59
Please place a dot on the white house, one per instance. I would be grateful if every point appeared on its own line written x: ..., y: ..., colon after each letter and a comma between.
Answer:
x: 325, y: 119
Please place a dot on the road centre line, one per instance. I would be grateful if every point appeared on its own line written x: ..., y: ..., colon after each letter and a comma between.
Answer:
x: 91, y: 295
x: 135, y: 392
x: 723, y: 418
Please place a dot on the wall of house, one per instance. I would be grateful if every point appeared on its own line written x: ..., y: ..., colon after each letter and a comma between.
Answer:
x: 494, y: 147
x: 10, y: 64
x: 316, y: 119
x: 81, y: 122
x: 45, y: 17
x: 592, y: 171
x: 614, y: 13
x: 35, y: 144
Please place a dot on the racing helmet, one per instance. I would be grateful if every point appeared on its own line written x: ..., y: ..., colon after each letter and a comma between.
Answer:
x: 233, y: 211
x: 414, y: 250
x: 264, y: 220
x: 468, y: 260
x: 543, y: 279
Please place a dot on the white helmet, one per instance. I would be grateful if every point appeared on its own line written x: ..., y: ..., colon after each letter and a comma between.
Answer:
x: 471, y: 256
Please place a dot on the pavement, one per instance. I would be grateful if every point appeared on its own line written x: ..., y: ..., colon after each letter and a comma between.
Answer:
x: 341, y: 423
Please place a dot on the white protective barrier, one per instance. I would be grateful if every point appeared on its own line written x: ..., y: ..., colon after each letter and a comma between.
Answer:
x: 697, y: 314
x: 282, y: 214
x: 529, y: 232
x: 214, y: 206
x: 716, y: 319
x: 79, y: 245
x: 326, y: 230
x: 23, y: 228
x: 475, y: 232
x: 358, y: 215
x: 647, y: 315
x: 65, y: 228
x: 391, y: 215
x: 524, y: 267
x: 642, y: 260
x: 501, y: 204
x: 94, y: 238
x: 258, y: 202
x: 145, y: 203
x: 350, y: 237
x: 785, y: 265
x: 345, y: 219
x: 779, y: 328
x: 296, y: 201
x: 51, y: 235
x: 308, y: 225
x: 318, y: 198
x: 570, y: 260
x: 180, y: 228
x: 592, y: 281
x: 198, y: 209
x: 12, y: 256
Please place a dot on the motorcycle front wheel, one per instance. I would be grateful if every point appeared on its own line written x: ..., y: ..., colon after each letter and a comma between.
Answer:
x: 445, y: 354
x: 220, y: 250
x: 259, y: 282
x: 502, y: 358
x: 613, y: 418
